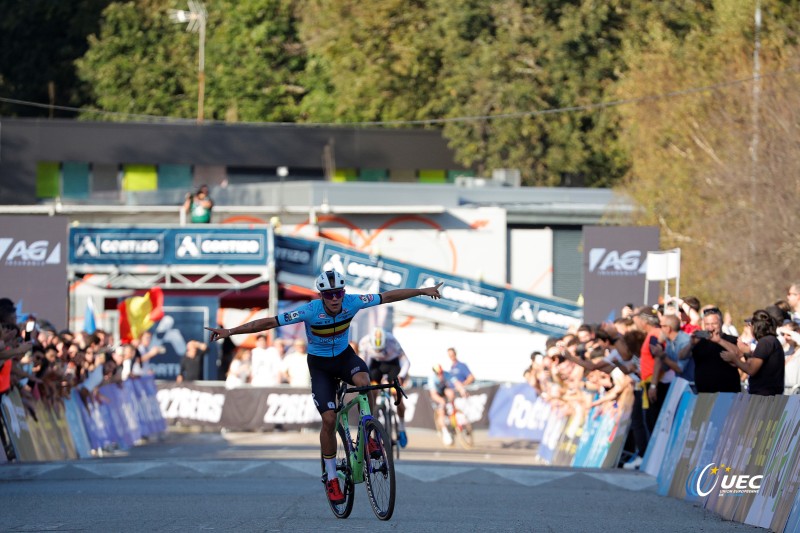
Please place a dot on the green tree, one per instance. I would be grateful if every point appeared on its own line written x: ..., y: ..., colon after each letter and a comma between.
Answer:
x: 532, y: 57
x: 694, y: 171
x: 373, y: 61
x: 39, y: 41
x: 142, y: 63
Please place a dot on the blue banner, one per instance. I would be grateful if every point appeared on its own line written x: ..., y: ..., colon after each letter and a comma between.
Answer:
x: 677, y: 438
x: 73, y: 406
x: 187, y: 245
x: 298, y: 256
x: 518, y: 412
x: 485, y: 301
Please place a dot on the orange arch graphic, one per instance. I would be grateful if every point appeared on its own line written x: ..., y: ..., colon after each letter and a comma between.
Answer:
x: 244, y: 219
x: 422, y: 220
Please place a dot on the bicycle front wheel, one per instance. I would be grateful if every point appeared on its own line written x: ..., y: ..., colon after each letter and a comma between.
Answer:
x: 379, y: 471
x: 345, y: 473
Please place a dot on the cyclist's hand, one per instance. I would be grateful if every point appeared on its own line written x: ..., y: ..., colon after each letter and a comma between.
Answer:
x: 433, y: 292
x: 219, y: 333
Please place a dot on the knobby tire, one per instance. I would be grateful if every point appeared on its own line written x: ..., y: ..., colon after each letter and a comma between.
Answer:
x: 379, y: 472
x: 345, y: 471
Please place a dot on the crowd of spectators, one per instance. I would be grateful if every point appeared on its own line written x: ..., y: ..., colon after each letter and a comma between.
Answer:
x: 270, y: 366
x: 644, y: 350
x: 47, y: 365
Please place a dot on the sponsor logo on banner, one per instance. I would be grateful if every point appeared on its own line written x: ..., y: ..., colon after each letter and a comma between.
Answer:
x: 197, y: 246
x: 532, y: 313
x: 527, y: 414
x: 19, y: 252
x: 472, y: 406
x: 183, y: 403
x: 604, y: 262
x: 467, y: 295
x: 702, y: 481
x: 290, y: 409
x: 99, y: 246
x: 361, y: 270
x: 293, y: 255
x: 16, y: 414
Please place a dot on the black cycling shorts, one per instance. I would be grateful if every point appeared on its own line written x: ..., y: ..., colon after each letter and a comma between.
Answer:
x: 326, y: 372
x: 390, y: 369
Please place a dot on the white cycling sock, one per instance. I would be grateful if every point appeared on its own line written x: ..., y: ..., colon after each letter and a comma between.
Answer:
x: 401, y: 424
x: 330, y: 468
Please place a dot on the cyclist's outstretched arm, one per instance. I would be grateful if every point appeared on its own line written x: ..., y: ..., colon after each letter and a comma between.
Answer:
x: 398, y: 295
x: 255, y: 326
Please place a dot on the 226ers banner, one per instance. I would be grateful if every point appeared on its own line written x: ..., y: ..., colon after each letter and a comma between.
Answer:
x: 257, y: 408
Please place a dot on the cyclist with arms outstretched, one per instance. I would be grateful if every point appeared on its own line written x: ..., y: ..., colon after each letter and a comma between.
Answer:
x: 330, y: 357
x: 385, y: 357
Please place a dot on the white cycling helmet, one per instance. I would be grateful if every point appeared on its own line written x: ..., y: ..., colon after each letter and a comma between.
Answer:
x: 329, y: 280
x: 377, y: 339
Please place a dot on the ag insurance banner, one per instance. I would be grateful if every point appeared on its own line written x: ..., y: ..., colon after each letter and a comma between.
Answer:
x: 614, y: 268
x: 33, y: 265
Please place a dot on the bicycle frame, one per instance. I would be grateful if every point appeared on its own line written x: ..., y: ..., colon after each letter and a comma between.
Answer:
x: 342, y: 410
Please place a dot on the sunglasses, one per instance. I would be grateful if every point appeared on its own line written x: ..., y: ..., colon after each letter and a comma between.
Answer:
x: 712, y: 311
x: 330, y: 295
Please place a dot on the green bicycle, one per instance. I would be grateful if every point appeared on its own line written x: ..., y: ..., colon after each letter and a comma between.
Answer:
x: 354, y: 464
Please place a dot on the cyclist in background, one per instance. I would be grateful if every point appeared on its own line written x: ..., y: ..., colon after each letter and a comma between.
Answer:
x: 385, y: 357
x: 330, y: 357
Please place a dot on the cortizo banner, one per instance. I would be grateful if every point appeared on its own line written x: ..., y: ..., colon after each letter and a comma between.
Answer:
x: 550, y: 316
x: 168, y: 246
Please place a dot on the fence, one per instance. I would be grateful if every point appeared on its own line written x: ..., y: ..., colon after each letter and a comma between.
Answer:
x: 71, y: 429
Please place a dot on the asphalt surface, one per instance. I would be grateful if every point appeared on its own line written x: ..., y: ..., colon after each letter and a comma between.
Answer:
x: 191, y: 481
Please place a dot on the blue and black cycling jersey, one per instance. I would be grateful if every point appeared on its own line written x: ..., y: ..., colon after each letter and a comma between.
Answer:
x: 328, y: 335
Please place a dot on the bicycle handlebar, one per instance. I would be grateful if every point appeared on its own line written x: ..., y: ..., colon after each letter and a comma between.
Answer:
x: 344, y: 389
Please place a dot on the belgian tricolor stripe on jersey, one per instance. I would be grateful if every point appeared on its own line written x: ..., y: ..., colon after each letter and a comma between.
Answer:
x: 333, y: 329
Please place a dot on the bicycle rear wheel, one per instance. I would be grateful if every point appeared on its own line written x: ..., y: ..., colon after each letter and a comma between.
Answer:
x: 387, y: 416
x: 379, y: 472
x: 345, y: 473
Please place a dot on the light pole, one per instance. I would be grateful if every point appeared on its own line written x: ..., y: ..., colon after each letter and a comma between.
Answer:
x: 196, y: 17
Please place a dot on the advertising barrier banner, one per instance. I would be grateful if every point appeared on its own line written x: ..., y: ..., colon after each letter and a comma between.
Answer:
x: 656, y: 446
x: 15, y: 420
x: 265, y: 408
x: 77, y: 429
x: 773, y: 502
x: 518, y: 412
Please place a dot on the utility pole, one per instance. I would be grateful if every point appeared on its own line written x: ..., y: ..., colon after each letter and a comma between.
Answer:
x: 196, y: 18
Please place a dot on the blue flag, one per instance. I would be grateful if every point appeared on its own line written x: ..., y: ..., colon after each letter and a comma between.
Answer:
x: 89, y: 324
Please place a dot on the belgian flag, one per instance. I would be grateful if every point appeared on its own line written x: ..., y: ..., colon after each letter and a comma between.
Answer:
x: 140, y: 313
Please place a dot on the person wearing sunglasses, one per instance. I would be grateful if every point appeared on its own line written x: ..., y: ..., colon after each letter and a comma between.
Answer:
x: 765, y: 365
x: 330, y: 356
x: 711, y: 372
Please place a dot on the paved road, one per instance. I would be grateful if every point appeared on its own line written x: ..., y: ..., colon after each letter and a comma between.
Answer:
x: 192, y: 481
